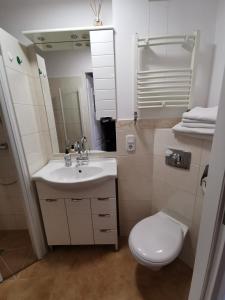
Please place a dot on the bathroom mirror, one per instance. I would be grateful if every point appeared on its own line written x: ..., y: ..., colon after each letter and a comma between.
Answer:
x: 80, y: 71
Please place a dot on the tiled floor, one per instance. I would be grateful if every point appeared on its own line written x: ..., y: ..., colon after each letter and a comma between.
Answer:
x: 96, y: 273
x: 15, y: 252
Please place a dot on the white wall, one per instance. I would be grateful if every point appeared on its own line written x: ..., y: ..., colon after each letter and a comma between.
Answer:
x: 68, y: 63
x: 219, y: 63
x: 172, y: 17
x: 16, y: 16
x: 129, y: 17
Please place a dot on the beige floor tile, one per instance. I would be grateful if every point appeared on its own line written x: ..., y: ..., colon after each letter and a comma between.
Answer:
x: 95, y: 273
x: 17, y: 252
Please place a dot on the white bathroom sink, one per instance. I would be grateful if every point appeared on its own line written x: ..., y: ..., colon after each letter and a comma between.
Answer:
x: 56, y: 173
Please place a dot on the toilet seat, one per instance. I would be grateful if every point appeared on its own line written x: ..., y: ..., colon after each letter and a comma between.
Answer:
x: 156, y: 240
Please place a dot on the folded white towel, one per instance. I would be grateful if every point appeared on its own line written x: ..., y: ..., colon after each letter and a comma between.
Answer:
x: 203, y: 114
x: 198, y: 125
x: 184, y: 120
x: 198, y: 131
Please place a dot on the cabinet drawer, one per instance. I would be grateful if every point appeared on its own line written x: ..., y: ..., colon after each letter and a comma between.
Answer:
x: 55, y: 221
x: 78, y: 205
x: 103, y: 205
x: 105, y: 236
x: 104, y: 221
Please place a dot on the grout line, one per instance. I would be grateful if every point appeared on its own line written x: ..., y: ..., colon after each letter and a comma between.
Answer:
x: 8, y: 268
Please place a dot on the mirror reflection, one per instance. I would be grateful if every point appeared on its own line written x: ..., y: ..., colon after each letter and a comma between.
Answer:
x: 82, y: 86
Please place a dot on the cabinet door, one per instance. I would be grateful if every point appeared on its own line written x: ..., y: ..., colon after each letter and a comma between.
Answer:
x: 55, y: 221
x: 80, y: 221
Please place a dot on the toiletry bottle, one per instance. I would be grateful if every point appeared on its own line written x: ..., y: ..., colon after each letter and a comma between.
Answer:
x: 67, y: 158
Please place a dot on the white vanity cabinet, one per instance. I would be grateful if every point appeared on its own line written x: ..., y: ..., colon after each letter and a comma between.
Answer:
x: 80, y: 221
x: 79, y: 216
x: 55, y: 221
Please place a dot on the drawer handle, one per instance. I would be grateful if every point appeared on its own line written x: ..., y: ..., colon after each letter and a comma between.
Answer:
x: 77, y: 199
x: 103, y: 198
x: 51, y: 200
x: 106, y: 230
x: 104, y: 215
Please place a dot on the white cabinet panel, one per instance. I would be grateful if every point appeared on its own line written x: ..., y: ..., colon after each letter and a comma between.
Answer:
x: 108, y: 189
x: 104, y: 72
x: 104, y: 84
x: 103, y: 61
x: 103, y: 205
x: 105, y: 95
x: 105, y: 113
x: 55, y: 221
x: 105, y: 105
x: 80, y: 221
x: 104, y: 220
x: 105, y: 236
x: 102, y: 48
x: 100, y: 36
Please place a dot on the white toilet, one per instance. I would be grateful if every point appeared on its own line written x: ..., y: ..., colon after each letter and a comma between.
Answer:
x: 157, y: 240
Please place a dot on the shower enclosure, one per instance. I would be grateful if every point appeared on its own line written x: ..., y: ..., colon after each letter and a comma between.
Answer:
x: 16, y: 251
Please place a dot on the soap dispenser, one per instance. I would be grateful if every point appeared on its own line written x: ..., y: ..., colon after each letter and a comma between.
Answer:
x: 67, y: 158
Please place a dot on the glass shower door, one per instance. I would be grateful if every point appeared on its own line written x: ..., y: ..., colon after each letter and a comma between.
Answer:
x: 16, y: 250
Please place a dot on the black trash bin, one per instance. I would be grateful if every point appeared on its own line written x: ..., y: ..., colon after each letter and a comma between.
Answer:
x: 108, y: 126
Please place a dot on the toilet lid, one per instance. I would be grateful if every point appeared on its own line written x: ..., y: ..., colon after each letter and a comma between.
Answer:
x: 156, y: 239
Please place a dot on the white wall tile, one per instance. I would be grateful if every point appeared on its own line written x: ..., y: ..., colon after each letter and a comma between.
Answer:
x: 20, y: 86
x: 105, y: 104
x: 104, y: 84
x: 164, y: 138
x: 28, y: 117
x: 105, y: 94
x: 104, y: 72
x: 102, y: 48
x: 111, y: 113
x: 134, y: 210
x: 135, y: 190
x: 103, y: 61
x: 172, y: 198
x: 144, y: 141
x: 100, y: 36
x: 35, y: 150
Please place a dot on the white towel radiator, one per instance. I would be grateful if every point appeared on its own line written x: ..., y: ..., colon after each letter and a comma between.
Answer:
x: 158, y: 88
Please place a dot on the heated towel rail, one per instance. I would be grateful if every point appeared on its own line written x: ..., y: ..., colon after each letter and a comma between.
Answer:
x: 158, y: 88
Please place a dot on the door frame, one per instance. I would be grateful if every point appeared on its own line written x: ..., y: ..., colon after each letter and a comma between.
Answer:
x: 205, y: 269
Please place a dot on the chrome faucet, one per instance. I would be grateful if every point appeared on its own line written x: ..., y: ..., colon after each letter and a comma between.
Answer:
x: 81, y: 150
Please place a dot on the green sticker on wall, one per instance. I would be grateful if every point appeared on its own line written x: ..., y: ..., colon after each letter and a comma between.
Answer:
x: 19, y: 60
